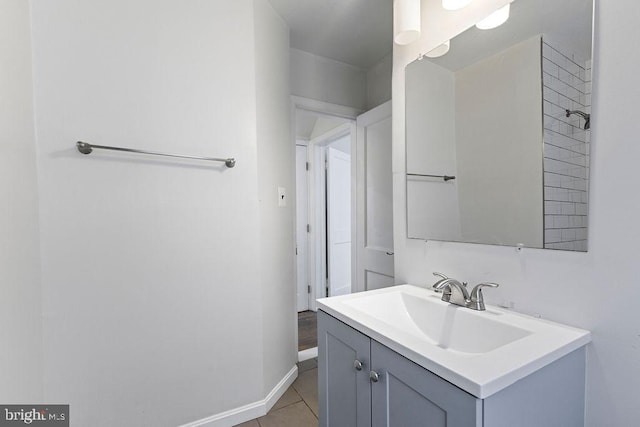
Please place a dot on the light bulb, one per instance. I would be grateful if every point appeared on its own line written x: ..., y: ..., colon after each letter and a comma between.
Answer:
x: 494, y: 20
x: 439, y: 51
x: 406, y: 21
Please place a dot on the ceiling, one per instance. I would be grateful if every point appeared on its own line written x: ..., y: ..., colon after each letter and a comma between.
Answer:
x: 310, y: 124
x: 357, y: 32
x: 569, y: 21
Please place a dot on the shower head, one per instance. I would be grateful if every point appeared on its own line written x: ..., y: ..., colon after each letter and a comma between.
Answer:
x: 585, y: 116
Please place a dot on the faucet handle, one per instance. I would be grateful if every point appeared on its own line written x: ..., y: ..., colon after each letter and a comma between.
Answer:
x: 443, y: 277
x: 477, y: 299
x: 436, y: 286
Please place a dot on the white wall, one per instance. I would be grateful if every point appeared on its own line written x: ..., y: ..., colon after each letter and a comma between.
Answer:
x: 433, y: 209
x: 325, y: 124
x: 342, y: 144
x: 379, y: 82
x: 20, y: 306
x: 498, y: 104
x: 276, y: 168
x: 467, y: 113
x: 153, y: 279
x: 595, y: 290
x: 327, y: 80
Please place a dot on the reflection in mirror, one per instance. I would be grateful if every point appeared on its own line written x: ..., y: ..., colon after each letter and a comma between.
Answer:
x: 498, y: 132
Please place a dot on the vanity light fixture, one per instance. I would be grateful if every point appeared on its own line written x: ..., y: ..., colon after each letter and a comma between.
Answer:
x: 406, y: 21
x: 494, y: 20
x: 439, y: 50
x: 455, y: 4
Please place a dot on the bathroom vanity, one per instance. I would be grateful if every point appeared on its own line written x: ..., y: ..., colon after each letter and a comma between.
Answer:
x: 401, y: 357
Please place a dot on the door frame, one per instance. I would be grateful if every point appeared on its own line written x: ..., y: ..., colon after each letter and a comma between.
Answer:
x: 317, y: 214
x: 304, y: 239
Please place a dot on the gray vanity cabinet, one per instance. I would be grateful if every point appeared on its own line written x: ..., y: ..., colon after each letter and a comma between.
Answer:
x: 408, y: 395
x: 400, y: 393
x: 363, y: 383
x: 344, y: 397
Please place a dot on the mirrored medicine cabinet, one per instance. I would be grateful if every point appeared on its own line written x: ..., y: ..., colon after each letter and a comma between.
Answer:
x: 498, y: 132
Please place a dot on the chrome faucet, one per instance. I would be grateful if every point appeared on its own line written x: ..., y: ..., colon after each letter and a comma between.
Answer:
x: 440, y: 286
x: 455, y: 292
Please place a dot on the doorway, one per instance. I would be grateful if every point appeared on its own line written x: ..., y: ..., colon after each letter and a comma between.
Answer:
x: 343, y: 205
x: 325, y: 138
x: 324, y: 143
x: 323, y: 224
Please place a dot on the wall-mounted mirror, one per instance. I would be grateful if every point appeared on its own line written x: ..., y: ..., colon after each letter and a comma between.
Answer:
x: 497, y: 150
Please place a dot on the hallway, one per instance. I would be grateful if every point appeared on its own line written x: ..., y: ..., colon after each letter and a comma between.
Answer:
x: 307, y: 330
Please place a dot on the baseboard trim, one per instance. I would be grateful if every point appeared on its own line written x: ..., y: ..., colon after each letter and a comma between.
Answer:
x: 248, y: 412
x: 307, y: 354
x: 277, y: 392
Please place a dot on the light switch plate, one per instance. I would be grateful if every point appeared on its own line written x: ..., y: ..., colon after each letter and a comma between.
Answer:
x: 282, y: 196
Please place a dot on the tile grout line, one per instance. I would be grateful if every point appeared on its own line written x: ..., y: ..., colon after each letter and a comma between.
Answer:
x: 289, y: 404
x: 304, y: 400
x: 309, y: 407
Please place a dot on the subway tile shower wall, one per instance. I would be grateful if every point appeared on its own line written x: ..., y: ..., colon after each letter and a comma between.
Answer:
x: 566, y: 85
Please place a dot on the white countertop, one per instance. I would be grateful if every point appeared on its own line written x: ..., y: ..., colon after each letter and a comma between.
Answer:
x: 481, y: 373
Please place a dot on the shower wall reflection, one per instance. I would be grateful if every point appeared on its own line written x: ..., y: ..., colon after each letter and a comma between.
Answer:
x: 566, y: 86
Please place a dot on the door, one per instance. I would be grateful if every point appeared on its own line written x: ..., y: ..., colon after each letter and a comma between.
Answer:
x: 343, y: 375
x: 301, y: 228
x: 408, y: 395
x: 374, y: 207
x: 338, y: 222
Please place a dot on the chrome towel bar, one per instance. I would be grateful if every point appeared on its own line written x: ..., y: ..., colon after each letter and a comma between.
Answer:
x: 444, y: 177
x: 86, y: 148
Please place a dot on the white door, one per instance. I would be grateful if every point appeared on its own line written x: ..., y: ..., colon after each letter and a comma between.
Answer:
x: 338, y: 221
x: 374, y: 205
x: 301, y: 228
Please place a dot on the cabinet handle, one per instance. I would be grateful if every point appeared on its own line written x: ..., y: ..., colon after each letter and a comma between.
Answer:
x: 374, y: 376
x: 358, y: 365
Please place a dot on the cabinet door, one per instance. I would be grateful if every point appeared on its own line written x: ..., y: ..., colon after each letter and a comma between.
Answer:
x: 408, y: 395
x: 344, y: 396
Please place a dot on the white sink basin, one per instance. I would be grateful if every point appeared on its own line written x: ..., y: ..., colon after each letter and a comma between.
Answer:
x: 480, y: 352
x: 448, y: 326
